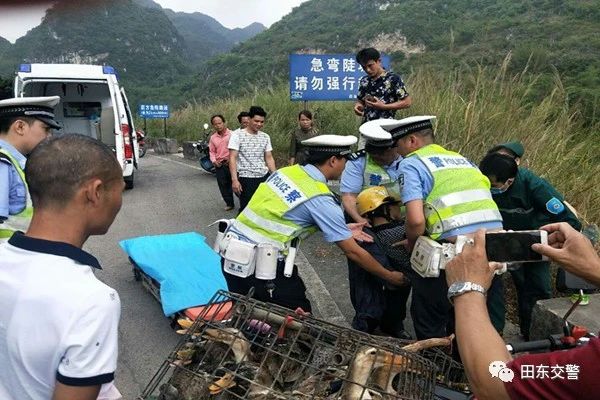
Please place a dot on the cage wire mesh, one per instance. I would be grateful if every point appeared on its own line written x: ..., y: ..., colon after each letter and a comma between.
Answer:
x: 241, y: 348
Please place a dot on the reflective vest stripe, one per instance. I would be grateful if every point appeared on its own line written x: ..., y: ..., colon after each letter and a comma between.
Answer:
x: 273, y: 226
x: 253, y: 235
x: 373, y: 169
x: 453, y: 199
x: 285, y: 190
x: 20, y: 221
x: 460, y: 195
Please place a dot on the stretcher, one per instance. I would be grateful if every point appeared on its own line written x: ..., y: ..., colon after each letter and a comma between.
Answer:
x: 180, y: 271
x: 212, y: 312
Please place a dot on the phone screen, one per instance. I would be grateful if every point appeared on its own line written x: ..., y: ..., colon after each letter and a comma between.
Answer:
x: 512, y: 246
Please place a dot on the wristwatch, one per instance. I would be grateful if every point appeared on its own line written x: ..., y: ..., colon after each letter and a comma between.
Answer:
x: 458, y: 288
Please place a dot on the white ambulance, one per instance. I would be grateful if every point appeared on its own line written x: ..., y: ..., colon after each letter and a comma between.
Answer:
x: 92, y: 104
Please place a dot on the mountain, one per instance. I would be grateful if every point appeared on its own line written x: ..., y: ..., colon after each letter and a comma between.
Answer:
x: 205, y: 37
x: 4, y: 45
x: 547, y: 36
x: 133, y: 39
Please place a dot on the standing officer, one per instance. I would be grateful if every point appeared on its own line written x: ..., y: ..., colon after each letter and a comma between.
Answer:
x: 293, y: 203
x: 445, y: 195
x: 526, y: 202
x: 377, y: 165
x: 24, y: 122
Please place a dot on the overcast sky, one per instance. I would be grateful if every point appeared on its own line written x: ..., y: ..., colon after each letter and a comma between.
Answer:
x: 16, y: 20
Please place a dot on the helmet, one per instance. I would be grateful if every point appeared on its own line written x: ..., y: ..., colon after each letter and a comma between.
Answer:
x: 373, y: 197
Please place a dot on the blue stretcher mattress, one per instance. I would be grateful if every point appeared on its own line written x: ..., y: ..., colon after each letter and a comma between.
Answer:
x: 188, y: 270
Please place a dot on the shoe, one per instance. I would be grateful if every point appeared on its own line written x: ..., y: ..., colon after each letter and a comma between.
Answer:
x: 584, y: 301
x: 229, y: 208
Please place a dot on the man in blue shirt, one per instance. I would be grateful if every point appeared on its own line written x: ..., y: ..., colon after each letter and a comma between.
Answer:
x: 445, y: 195
x: 376, y: 165
x: 24, y: 122
x: 292, y: 203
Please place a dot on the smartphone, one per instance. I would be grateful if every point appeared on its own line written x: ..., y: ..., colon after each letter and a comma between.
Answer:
x: 514, y: 246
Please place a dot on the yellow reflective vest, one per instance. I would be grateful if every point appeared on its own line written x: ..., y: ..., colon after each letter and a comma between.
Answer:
x: 20, y: 221
x: 262, y: 220
x: 460, y: 195
x: 376, y: 175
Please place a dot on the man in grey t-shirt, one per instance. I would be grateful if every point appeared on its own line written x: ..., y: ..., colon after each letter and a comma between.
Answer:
x: 250, y: 156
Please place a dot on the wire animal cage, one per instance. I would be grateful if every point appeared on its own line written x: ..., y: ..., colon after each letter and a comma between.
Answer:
x: 240, y: 348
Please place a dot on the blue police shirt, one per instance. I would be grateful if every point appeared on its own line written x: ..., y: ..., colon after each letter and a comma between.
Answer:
x: 322, y: 211
x: 416, y: 182
x: 13, y: 193
x: 353, y: 175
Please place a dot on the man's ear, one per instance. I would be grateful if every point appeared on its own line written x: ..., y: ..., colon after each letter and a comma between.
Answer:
x: 19, y: 126
x: 93, y: 191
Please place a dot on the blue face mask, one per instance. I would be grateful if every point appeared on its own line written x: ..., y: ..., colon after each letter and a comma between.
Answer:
x: 503, y: 188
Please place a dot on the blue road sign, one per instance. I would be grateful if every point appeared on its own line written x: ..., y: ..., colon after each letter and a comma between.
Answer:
x: 154, y: 111
x: 326, y: 76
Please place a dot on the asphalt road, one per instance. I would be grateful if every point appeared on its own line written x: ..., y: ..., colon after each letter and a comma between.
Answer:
x: 173, y: 195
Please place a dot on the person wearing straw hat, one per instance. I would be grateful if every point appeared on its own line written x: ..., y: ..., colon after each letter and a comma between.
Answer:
x: 377, y: 165
x: 445, y: 196
x: 294, y: 202
x: 24, y: 122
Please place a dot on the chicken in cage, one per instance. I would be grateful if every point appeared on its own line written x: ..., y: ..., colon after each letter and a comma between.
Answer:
x: 262, y: 351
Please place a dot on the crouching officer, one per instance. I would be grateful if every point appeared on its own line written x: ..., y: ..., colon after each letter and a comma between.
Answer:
x: 24, y: 122
x: 376, y: 165
x: 445, y: 195
x: 377, y: 303
x: 259, y: 246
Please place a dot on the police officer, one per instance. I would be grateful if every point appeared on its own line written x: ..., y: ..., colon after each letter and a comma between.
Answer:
x: 445, y: 195
x: 24, y: 122
x: 377, y: 165
x: 526, y: 202
x: 293, y: 203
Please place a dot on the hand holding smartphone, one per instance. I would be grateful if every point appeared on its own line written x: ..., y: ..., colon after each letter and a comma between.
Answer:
x: 371, y: 98
x: 514, y: 246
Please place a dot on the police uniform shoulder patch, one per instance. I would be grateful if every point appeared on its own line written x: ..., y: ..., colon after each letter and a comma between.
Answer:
x: 555, y: 206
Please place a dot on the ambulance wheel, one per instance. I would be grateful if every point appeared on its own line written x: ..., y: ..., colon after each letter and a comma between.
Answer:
x: 129, y: 181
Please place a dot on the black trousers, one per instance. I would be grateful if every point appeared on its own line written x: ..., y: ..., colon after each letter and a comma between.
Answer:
x: 224, y: 182
x: 432, y: 313
x: 374, y: 304
x: 249, y: 186
x: 288, y: 292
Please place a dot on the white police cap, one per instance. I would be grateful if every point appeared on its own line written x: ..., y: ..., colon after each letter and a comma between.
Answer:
x: 41, y: 108
x: 375, y: 135
x: 402, y: 127
x: 330, y: 144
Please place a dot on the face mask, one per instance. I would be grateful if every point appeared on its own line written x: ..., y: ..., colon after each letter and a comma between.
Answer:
x: 503, y: 188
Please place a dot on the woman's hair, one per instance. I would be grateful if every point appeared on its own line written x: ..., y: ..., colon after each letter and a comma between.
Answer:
x: 306, y: 113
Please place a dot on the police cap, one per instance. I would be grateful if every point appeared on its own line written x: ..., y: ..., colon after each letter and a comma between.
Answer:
x: 376, y: 137
x: 41, y: 108
x: 405, y: 126
x: 335, y: 145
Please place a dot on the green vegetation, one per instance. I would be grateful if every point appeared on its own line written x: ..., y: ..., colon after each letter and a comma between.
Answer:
x: 476, y: 108
x: 547, y: 36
